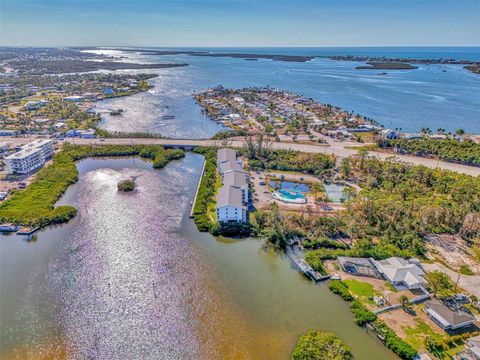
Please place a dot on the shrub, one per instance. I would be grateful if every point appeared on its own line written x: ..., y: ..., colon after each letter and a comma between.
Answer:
x: 318, y: 345
x: 126, y: 185
x: 395, y: 343
x: 362, y: 314
x: 340, y: 288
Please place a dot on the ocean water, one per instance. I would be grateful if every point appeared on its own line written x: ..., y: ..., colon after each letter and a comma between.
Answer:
x: 434, y: 96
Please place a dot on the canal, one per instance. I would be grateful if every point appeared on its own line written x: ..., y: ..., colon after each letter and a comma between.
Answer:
x: 131, y: 278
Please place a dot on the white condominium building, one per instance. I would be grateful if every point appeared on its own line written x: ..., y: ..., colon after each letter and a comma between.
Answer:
x: 31, y: 157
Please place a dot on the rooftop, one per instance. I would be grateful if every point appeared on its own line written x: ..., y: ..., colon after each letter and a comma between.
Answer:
x: 447, y: 316
x: 226, y: 154
x: 230, y: 196
x: 400, y: 270
x: 235, y: 178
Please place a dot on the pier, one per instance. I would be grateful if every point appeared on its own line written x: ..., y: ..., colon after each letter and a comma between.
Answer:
x: 309, y: 272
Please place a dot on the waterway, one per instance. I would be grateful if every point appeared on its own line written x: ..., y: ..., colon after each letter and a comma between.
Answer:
x: 434, y: 96
x: 130, y: 277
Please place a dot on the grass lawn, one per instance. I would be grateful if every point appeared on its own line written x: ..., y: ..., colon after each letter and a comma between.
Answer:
x: 363, y: 290
x: 390, y: 287
x: 415, y: 336
x: 211, y: 211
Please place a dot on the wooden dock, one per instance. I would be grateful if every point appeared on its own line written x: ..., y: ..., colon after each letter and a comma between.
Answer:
x: 309, y: 272
x: 198, y: 188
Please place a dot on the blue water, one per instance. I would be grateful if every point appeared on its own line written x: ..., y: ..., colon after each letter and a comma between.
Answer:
x: 434, y: 96
x: 286, y: 194
x: 291, y: 186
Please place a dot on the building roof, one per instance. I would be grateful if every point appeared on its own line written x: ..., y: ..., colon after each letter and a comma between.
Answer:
x: 397, y: 269
x: 226, y: 154
x: 28, y: 149
x: 473, y: 345
x: 447, y: 316
x: 230, y: 196
x: 229, y: 165
x: 235, y: 178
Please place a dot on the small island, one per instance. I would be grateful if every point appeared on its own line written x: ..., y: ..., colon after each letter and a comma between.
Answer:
x: 126, y: 185
x: 386, y: 65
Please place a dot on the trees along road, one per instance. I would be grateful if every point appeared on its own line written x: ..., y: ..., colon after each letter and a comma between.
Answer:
x: 340, y: 150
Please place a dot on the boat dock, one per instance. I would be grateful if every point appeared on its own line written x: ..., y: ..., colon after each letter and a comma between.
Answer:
x: 198, y: 188
x: 26, y: 230
x: 309, y: 272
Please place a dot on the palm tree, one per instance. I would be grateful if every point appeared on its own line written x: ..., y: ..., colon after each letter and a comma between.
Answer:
x: 404, y: 301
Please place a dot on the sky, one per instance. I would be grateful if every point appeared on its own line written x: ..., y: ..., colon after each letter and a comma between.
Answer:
x: 238, y: 23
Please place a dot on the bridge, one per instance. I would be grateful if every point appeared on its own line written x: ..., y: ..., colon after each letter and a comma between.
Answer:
x: 339, y: 150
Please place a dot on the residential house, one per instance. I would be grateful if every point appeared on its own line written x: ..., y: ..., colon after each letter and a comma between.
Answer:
x: 401, y: 273
x: 447, y: 318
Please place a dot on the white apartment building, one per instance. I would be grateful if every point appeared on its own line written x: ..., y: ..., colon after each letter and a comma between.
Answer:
x: 31, y: 157
x: 230, y: 207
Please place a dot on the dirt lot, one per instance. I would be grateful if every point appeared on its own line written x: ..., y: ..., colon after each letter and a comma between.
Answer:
x: 400, y: 321
x: 453, y: 251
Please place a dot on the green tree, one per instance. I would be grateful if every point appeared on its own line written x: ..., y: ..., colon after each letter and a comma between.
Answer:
x: 318, y: 345
x: 404, y: 301
x: 316, y: 188
x: 439, y: 283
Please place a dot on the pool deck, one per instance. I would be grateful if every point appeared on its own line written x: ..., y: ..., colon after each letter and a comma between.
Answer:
x: 263, y: 199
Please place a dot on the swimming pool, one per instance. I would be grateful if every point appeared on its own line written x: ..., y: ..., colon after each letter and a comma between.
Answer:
x: 289, y: 185
x: 289, y: 196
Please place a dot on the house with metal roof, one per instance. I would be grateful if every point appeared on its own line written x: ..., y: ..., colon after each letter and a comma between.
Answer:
x: 446, y: 318
x: 401, y: 273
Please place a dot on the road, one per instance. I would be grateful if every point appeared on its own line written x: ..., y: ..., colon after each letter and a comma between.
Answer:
x: 335, y: 148
x: 471, y: 283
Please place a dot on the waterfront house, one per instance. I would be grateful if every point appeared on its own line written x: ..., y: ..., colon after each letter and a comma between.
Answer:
x: 447, y: 318
x: 238, y: 179
x: 230, y: 206
x: 401, y: 273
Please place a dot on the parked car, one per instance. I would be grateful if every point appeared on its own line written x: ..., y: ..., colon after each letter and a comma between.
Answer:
x: 22, y: 185
x: 262, y: 183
